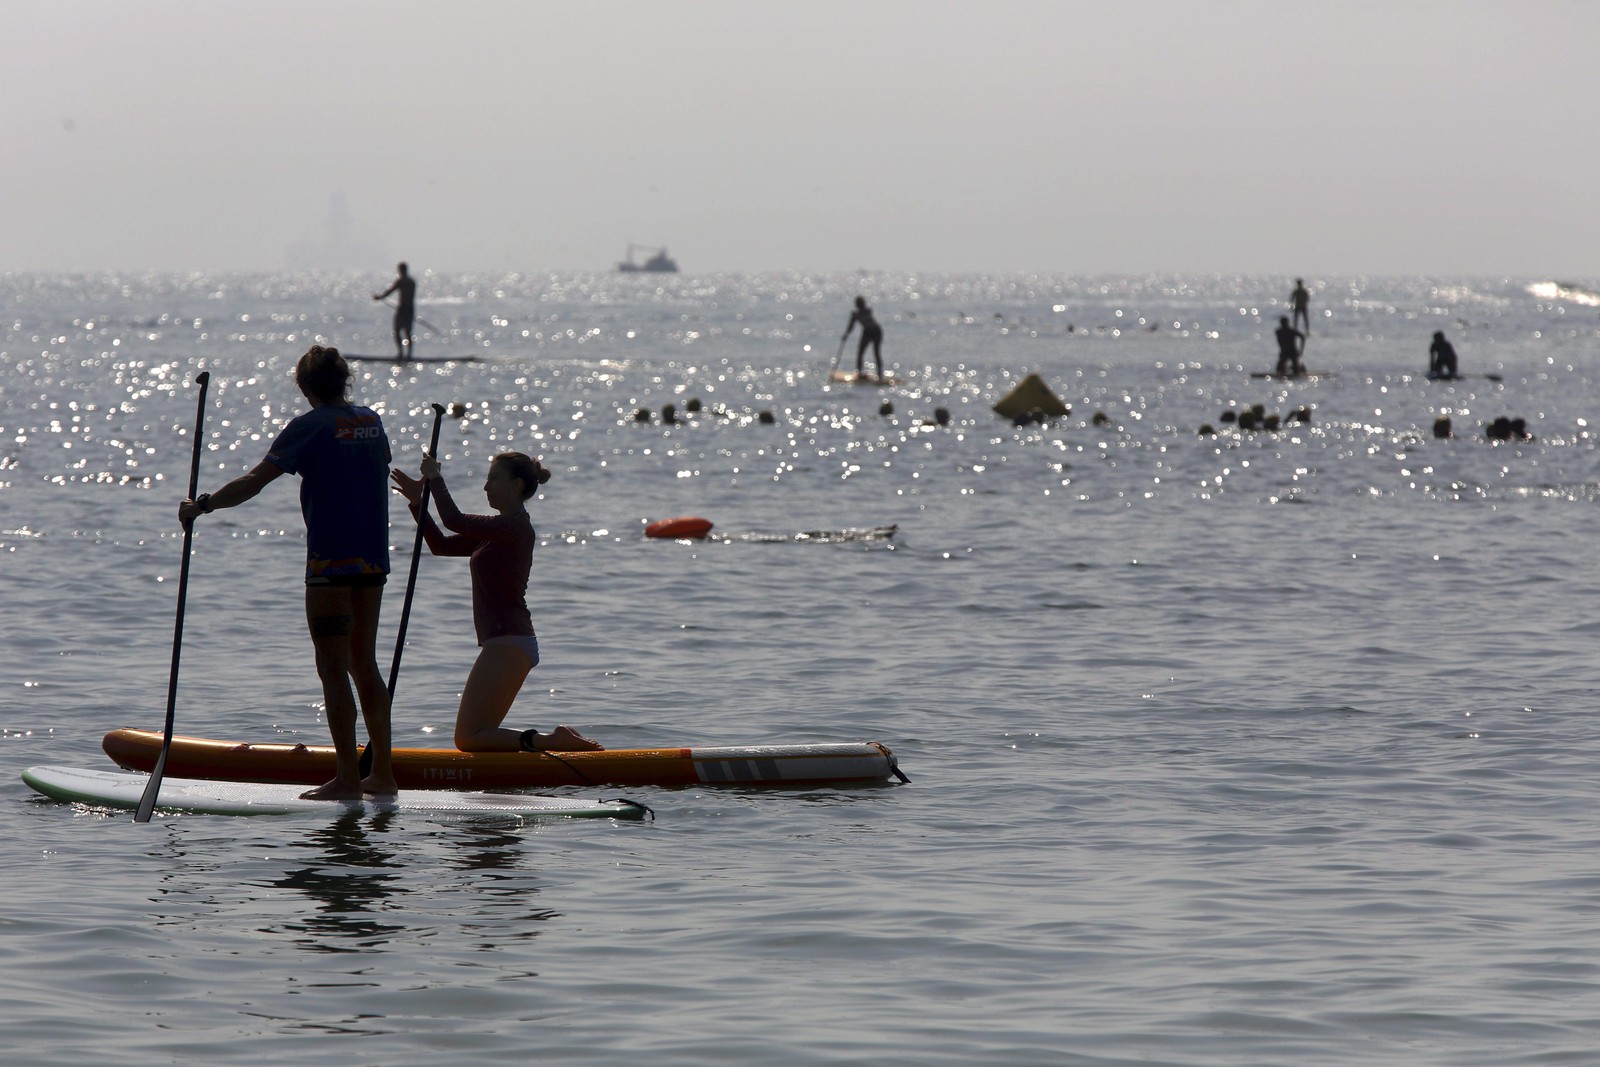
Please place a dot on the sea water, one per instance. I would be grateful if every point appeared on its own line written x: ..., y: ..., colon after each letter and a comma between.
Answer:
x: 1226, y: 748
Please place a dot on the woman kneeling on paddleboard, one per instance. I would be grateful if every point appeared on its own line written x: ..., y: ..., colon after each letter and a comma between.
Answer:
x: 501, y: 547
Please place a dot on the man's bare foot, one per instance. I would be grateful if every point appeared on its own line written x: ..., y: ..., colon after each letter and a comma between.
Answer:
x: 334, y: 790
x: 373, y: 787
x: 561, y: 739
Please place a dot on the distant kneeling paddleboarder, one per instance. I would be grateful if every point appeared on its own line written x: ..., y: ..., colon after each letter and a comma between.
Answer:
x: 1441, y: 357
x: 1291, y: 345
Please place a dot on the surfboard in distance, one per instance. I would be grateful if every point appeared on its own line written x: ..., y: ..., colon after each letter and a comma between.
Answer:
x: 776, y: 766
x: 1304, y: 376
x: 852, y: 378
x: 822, y: 537
x: 1463, y: 377
x: 113, y: 789
x: 417, y: 359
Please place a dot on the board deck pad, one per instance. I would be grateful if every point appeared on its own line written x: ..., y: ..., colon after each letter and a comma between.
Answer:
x: 114, y: 789
x: 773, y: 766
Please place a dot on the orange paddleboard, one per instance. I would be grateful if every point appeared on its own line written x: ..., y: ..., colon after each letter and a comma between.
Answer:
x: 854, y: 763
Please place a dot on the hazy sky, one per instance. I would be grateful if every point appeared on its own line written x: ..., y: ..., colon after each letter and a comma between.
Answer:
x: 1450, y: 137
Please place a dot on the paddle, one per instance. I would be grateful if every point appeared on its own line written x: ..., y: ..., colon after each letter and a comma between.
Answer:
x: 835, y: 364
x: 152, y: 788
x: 411, y: 584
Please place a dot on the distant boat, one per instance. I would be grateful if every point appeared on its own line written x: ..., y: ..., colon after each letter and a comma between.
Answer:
x: 660, y: 263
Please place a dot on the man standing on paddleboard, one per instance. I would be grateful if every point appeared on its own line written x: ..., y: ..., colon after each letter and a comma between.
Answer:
x: 341, y: 453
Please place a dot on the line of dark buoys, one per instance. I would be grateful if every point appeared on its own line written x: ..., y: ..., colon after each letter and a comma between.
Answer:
x: 1256, y: 419
x: 1502, y: 428
x: 692, y: 406
x: 669, y: 412
x: 941, y: 414
x: 1505, y: 428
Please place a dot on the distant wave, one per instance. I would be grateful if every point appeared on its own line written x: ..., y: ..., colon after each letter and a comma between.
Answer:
x: 1574, y: 294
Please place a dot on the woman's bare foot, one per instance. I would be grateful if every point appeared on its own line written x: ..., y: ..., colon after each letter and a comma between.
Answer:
x: 561, y: 739
x: 334, y: 790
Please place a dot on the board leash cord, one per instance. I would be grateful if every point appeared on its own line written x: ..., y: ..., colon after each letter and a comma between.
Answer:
x: 894, y: 764
x: 648, y: 812
x: 584, y: 778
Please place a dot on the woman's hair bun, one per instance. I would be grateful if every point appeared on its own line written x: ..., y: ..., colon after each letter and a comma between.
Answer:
x: 530, y: 472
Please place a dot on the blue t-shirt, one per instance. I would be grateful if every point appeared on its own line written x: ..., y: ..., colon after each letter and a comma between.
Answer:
x: 341, y: 454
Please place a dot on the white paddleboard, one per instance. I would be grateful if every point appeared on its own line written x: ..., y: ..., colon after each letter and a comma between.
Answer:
x: 112, y: 789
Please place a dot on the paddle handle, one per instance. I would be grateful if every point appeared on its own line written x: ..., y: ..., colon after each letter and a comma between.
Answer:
x: 152, y: 788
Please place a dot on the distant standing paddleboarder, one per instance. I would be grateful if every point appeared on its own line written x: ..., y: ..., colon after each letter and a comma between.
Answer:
x: 404, y: 312
x: 1300, y: 301
x: 871, y: 334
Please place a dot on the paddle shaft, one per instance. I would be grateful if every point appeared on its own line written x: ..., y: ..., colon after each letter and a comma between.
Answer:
x: 416, y: 557
x: 152, y: 788
x: 365, y: 762
x: 420, y: 321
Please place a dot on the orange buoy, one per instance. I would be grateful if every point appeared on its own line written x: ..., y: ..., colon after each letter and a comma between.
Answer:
x: 684, y: 526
